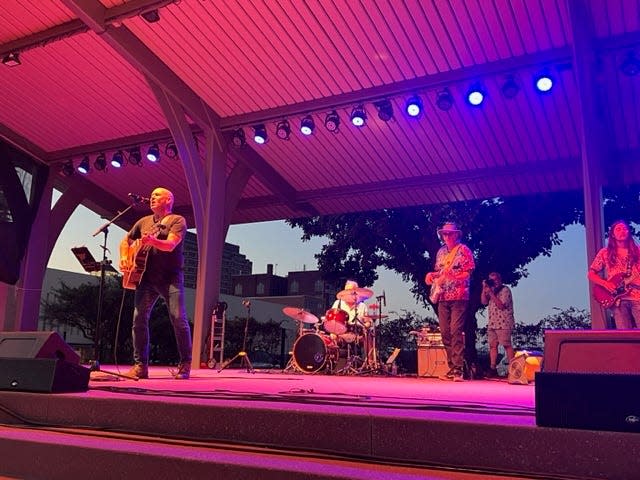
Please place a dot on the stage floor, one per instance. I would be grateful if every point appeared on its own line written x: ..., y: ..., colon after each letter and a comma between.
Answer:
x: 480, y: 427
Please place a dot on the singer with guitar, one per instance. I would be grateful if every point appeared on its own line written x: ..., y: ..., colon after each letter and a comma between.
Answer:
x: 154, y: 249
x: 450, y: 288
x: 615, y: 273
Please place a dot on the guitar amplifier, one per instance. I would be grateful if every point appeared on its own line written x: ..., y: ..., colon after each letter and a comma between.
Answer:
x: 432, y: 361
x: 429, y: 340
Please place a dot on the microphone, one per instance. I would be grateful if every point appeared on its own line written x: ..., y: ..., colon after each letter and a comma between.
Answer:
x: 138, y: 198
x: 384, y: 299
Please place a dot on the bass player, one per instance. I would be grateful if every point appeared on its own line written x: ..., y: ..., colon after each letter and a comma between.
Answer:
x: 154, y: 247
x: 615, y: 273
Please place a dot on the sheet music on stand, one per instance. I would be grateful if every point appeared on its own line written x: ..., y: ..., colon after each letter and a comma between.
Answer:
x: 87, y: 260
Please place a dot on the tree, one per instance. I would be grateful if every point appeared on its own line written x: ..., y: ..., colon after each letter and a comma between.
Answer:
x: 77, y: 307
x: 505, y: 234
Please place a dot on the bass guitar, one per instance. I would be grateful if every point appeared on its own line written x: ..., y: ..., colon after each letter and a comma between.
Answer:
x: 137, y: 259
x: 623, y: 287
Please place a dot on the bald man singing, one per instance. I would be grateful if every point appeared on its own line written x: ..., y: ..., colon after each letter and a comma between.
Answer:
x: 158, y: 238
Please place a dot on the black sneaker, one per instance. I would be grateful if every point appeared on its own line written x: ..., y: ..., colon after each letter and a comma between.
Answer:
x: 491, y: 373
x: 448, y: 375
x: 457, y: 375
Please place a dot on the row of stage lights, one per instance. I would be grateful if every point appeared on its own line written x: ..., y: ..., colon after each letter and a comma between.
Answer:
x: 414, y: 107
x: 132, y: 156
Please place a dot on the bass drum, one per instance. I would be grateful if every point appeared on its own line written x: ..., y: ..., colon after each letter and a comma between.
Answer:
x: 314, y: 352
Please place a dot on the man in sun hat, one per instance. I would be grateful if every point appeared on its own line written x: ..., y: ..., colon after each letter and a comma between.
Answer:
x: 450, y: 288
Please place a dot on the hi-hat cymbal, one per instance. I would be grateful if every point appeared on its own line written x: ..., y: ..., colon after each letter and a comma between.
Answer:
x: 300, y: 315
x: 359, y: 294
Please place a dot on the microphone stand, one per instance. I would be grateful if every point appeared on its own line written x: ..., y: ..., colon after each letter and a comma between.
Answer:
x: 94, y: 366
x: 244, y: 358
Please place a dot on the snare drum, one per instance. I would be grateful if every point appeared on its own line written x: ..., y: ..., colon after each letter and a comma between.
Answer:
x: 313, y: 352
x: 335, y: 321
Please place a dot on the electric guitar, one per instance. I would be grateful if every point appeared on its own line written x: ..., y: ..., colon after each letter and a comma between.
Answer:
x: 137, y: 258
x: 623, y: 286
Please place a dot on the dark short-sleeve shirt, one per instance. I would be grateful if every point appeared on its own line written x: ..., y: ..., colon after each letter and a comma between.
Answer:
x: 161, y: 264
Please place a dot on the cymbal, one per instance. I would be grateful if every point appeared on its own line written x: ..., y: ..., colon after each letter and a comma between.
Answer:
x: 360, y: 294
x: 300, y: 315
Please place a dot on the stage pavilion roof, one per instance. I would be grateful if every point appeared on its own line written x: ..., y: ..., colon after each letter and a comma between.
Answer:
x: 92, y: 75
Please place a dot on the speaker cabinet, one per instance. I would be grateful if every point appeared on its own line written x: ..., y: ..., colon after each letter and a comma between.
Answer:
x: 40, y: 362
x: 591, y: 351
x: 45, y: 375
x: 592, y: 401
x: 432, y: 361
x: 36, y: 345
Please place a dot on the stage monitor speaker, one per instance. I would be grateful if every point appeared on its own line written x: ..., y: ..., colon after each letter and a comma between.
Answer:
x: 591, y: 351
x: 592, y: 401
x: 36, y: 345
x: 432, y: 362
x: 45, y: 375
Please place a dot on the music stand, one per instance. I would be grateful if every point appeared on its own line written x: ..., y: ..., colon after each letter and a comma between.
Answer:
x: 84, y: 257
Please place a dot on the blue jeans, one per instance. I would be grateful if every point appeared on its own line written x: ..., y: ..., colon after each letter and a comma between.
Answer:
x: 451, y: 315
x: 147, y: 294
x: 627, y: 315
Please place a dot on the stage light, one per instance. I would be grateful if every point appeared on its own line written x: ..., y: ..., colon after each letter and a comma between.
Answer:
x: 153, y: 153
x: 385, y: 110
x: 444, y: 100
x: 67, y: 168
x: 171, y: 151
x: 11, y: 59
x: 238, y: 139
x: 84, y: 166
x: 135, y: 157
x: 543, y: 83
x: 283, y: 130
x: 510, y: 87
x: 152, y: 16
x: 332, y: 121
x: 117, y: 160
x: 413, y: 106
x: 475, y: 95
x: 307, y: 126
x: 100, y: 163
x: 358, y: 116
x: 260, y: 134
x: 630, y: 66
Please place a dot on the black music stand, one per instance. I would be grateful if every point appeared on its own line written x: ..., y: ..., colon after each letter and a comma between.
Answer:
x: 84, y: 257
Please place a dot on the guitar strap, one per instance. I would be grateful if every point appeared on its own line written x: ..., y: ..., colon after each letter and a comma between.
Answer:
x: 448, y: 260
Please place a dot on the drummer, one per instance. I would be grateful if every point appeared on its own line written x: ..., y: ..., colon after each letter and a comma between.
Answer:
x: 351, y: 300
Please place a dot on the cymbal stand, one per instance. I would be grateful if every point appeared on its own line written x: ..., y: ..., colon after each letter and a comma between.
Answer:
x: 291, y: 364
x: 244, y: 358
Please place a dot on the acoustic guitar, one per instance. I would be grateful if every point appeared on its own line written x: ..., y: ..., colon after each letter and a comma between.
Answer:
x: 623, y: 287
x: 137, y: 257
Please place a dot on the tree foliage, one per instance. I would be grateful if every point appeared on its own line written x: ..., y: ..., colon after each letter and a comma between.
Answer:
x: 505, y: 235
x: 77, y: 307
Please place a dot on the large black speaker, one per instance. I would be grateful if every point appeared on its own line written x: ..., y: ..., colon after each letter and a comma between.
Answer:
x: 36, y: 345
x: 592, y: 401
x: 40, y: 362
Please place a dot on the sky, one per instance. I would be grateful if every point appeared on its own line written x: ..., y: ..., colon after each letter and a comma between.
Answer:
x: 555, y: 282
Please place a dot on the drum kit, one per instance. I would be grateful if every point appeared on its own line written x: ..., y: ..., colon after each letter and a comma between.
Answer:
x: 340, y: 342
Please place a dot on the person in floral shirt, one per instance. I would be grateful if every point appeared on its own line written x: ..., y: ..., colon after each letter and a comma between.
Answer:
x: 450, y: 282
x: 501, y: 319
x: 617, y: 268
